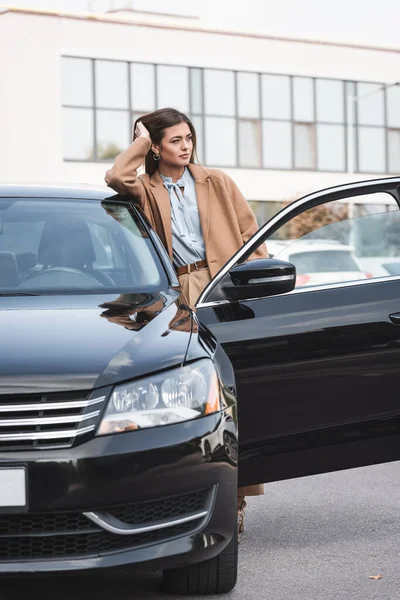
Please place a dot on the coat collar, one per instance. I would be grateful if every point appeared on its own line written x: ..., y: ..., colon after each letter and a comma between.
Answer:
x: 197, y: 171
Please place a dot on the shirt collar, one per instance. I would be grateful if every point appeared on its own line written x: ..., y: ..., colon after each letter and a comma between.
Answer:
x: 182, y: 181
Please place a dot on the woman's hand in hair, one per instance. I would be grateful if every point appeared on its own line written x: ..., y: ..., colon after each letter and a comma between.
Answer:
x: 141, y: 131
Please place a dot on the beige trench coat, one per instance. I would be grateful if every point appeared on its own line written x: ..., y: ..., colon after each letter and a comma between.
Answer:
x: 226, y: 218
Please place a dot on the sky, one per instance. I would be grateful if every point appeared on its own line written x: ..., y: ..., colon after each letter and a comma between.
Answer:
x: 359, y: 21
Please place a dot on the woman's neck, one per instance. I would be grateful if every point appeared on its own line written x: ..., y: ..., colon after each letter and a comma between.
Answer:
x: 171, y: 171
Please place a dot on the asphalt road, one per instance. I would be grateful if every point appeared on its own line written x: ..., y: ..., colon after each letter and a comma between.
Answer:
x: 316, y: 538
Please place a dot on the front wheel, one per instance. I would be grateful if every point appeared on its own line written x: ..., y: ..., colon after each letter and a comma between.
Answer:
x: 215, y: 576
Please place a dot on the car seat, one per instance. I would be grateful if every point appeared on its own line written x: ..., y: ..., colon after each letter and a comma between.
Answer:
x: 9, y: 273
x: 68, y: 243
x: 26, y: 261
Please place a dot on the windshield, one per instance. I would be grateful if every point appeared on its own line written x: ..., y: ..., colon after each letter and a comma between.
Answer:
x: 322, y: 261
x: 74, y: 246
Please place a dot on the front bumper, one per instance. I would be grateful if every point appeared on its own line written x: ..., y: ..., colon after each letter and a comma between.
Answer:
x: 149, y: 498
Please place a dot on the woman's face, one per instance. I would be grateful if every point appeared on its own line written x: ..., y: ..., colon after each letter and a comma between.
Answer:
x: 176, y: 146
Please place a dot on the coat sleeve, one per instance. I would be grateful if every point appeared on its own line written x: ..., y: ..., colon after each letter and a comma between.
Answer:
x: 122, y: 177
x: 245, y: 216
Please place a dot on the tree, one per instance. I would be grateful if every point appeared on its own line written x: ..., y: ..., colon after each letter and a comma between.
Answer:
x: 108, y: 151
x: 318, y: 220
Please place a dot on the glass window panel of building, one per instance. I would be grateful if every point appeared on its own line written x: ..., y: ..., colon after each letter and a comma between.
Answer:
x: 371, y: 150
x: 370, y: 104
x: 173, y: 87
x: 113, y: 133
x: 248, y: 94
x: 276, y: 97
x: 143, y: 87
x: 196, y: 91
x: 304, y: 146
x: 111, y: 84
x: 331, y: 155
x: 394, y: 150
x: 277, y: 144
x: 393, y: 106
x: 249, y: 144
x: 220, y: 141
x: 219, y: 92
x: 303, y: 99
x: 330, y: 101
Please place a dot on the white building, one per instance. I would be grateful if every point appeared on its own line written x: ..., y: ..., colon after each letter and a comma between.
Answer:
x: 273, y: 112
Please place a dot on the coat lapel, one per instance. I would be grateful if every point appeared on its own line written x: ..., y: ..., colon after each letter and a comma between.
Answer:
x: 161, y: 196
x: 201, y: 179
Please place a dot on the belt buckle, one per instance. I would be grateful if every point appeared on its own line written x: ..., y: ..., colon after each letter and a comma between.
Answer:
x: 192, y: 267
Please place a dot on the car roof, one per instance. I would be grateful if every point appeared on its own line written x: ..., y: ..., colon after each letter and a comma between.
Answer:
x: 62, y: 190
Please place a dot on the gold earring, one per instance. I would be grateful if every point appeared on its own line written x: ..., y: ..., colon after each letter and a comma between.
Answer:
x: 156, y: 156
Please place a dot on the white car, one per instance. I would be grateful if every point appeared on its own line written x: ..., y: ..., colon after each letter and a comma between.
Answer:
x: 222, y: 440
x: 319, y: 261
x: 381, y: 266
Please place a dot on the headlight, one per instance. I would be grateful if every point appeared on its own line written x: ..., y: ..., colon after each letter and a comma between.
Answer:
x: 178, y: 395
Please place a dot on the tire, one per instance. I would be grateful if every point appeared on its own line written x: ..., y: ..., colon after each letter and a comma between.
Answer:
x: 207, y: 451
x: 230, y: 448
x: 215, y: 576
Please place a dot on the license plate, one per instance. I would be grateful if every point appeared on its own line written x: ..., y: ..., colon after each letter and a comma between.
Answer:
x: 12, y: 487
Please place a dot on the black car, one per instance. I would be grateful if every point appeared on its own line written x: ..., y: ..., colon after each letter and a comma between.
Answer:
x: 118, y: 424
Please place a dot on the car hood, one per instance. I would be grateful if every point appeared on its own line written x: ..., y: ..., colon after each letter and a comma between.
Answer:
x: 51, y: 344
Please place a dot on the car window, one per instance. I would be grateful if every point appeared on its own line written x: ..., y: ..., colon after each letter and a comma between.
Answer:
x: 102, y: 247
x: 74, y: 246
x: 320, y: 261
x: 337, y: 242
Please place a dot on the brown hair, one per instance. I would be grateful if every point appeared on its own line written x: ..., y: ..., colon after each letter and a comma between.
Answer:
x: 156, y: 122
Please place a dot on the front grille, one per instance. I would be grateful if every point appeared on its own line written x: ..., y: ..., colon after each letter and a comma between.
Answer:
x: 144, y: 512
x: 43, y: 523
x: 47, y: 420
x: 96, y: 543
x: 71, y: 535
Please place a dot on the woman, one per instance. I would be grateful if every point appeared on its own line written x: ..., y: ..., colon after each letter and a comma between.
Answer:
x: 200, y: 214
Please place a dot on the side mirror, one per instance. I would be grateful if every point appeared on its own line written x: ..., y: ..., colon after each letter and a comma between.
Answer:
x: 258, y: 278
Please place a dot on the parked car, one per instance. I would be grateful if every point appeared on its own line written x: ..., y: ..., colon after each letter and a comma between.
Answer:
x: 110, y: 386
x: 381, y: 266
x: 392, y: 267
x: 222, y: 442
x: 318, y: 260
x: 107, y: 389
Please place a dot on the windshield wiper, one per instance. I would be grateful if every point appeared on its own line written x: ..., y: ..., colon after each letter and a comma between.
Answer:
x: 19, y: 294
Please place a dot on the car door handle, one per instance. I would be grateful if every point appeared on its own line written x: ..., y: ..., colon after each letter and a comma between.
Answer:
x: 395, y: 318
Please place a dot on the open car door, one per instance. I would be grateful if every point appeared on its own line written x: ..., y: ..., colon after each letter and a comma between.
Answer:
x: 316, y: 363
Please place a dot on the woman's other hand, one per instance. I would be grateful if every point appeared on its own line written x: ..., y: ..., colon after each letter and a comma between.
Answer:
x: 141, y: 131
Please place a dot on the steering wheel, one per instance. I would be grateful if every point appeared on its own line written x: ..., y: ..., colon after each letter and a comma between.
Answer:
x: 53, y: 272
x: 101, y: 277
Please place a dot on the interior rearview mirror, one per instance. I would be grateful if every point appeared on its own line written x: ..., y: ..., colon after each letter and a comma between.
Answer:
x: 258, y: 278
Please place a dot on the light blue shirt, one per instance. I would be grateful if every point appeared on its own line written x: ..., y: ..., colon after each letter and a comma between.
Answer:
x: 187, y: 237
